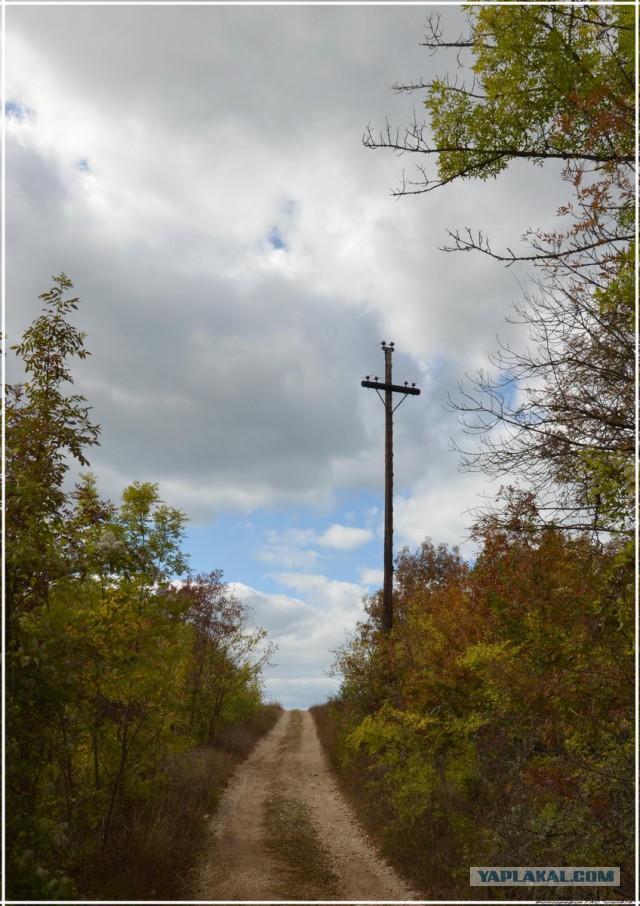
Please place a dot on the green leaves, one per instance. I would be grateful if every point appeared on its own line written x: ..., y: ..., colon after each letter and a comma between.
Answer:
x: 152, y: 531
x: 550, y: 82
x: 112, y: 665
x: 45, y: 428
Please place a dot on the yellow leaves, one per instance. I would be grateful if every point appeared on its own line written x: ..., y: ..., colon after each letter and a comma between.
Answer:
x: 502, y: 705
x: 488, y: 654
x: 390, y: 738
x: 375, y: 732
x: 462, y: 768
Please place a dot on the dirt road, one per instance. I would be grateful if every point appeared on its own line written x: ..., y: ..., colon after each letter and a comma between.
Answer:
x: 284, y: 832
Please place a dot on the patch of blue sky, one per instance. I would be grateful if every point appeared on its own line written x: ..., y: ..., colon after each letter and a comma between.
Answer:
x: 228, y: 544
x: 276, y: 239
x: 508, y: 388
x: 18, y: 111
x: 254, y: 549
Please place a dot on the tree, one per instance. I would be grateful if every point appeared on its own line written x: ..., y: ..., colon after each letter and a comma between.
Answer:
x: 103, y: 641
x: 562, y: 413
x: 547, y: 83
x: 45, y: 428
x: 227, y: 654
x: 507, y: 732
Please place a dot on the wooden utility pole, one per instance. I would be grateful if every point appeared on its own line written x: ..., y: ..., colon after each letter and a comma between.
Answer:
x: 389, y: 389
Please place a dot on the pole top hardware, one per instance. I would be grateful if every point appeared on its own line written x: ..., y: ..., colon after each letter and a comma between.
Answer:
x: 375, y: 384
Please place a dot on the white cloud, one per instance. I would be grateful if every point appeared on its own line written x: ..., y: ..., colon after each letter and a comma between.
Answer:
x: 372, y: 577
x: 306, y: 632
x: 279, y: 614
x: 295, y: 548
x: 440, y: 512
x: 289, y: 549
x: 345, y: 537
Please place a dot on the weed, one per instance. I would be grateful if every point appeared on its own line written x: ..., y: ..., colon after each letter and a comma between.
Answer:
x: 294, y: 841
x: 293, y: 737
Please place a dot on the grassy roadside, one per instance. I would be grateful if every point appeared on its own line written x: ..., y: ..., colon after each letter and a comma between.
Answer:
x: 157, y: 845
x: 403, y: 852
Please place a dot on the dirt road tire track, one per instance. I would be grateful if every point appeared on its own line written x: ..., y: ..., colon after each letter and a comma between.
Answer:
x: 242, y: 864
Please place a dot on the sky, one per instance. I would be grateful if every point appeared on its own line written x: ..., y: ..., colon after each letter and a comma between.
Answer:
x: 199, y: 173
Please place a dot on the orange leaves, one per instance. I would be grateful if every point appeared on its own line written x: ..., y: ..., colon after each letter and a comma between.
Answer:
x: 508, y: 684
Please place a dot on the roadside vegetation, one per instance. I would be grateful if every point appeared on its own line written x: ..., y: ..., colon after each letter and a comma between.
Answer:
x: 495, y: 724
x: 133, y: 687
x: 159, y: 843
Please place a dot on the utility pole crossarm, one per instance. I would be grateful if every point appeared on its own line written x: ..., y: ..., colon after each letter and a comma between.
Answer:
x: 395, y: 388
x: 389, y: 389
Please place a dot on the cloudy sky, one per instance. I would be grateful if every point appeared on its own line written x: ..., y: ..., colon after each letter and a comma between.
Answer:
x: 199, y: 173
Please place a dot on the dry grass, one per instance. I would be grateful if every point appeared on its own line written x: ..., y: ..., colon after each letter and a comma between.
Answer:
x: 156, y: 845
x: 294, y: 841
x: 293, y: 737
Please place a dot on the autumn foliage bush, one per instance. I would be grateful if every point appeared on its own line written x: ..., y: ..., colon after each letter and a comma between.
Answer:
x: 494, y: 726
